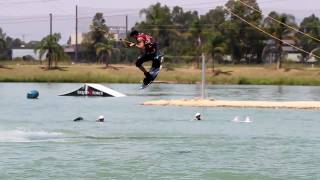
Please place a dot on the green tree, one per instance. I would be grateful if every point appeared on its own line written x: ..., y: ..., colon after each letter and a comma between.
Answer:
x: 99, y: 29
x: 234, y: 45
x: 14, y: 43
x: 196, y: 31
x: 157, y: 23
x: 7, y: 43
x: 99, y: 34
x: 170, y: 29
x: 3, y: 49
x: 105, y: 50
x: 241, y: 39
x: 50, y: 47
x: 214, y: 18
x: 183, y: 20
x: 215, y: 42
x: 215, y: 46
x: 311, y: 26
x: 181, y: 35
x: 3, y: 45
x: 280, y: 31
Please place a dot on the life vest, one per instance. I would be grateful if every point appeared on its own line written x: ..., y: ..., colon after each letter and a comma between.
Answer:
x: 150, y: 46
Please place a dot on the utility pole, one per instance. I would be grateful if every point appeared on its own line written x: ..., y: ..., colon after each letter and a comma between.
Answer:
x: 76, y: 46
x: 50, y: 24
x: 126, y: 25
x: 50, y: 41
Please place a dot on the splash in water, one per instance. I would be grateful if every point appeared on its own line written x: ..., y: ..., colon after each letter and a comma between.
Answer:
x: 238, y: 120
x: 19, y: 135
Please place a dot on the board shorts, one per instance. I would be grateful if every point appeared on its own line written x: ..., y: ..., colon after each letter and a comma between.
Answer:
x: 149, y: 56
x: 144, y: 58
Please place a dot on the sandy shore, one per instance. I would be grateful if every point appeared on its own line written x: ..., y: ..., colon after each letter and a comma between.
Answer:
x: 241, y: 104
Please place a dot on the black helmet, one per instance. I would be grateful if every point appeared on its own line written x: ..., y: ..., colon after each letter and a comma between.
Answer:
x: 134, y: 33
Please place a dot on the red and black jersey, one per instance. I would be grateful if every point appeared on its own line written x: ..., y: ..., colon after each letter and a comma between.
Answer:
x: 145, y: 38
x: 150, y: 46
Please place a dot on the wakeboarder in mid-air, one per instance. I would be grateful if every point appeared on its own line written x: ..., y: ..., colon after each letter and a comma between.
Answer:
x: 149, y: 52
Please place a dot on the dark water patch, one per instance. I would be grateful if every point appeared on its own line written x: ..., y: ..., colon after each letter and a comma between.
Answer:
x: 184, y: 152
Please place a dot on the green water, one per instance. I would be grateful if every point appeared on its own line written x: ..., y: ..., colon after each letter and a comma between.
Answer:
x: 39, y: 140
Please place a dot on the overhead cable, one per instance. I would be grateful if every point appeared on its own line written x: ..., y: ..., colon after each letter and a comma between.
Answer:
x: 276, y: 20
x: 267, y: 33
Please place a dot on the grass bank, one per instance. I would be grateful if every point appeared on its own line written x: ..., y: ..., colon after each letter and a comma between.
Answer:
x: 259, y: 75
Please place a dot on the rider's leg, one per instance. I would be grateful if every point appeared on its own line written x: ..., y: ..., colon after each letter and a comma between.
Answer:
x: 142, y: 69
x: 157, y: 60
x: 141, y: 59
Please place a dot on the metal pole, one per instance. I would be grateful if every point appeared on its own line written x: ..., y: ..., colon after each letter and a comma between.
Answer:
x: 203, y: 85
x: 76, y: 46
x: 126, y: 25
x: 49, y: 50
x: 50, y: 24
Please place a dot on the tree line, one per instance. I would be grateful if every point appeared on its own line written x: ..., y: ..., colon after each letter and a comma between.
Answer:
x: 220, y: 32
x: 7, y: 43
x: 184, y: 35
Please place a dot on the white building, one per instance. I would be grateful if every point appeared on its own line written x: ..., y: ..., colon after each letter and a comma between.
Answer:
x: 293, y: 57
x: 24, y: 53
x: 73, y: 39
x: 118, y: 32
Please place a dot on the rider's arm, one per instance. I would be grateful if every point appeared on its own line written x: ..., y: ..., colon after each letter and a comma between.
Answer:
x: 139, y: 44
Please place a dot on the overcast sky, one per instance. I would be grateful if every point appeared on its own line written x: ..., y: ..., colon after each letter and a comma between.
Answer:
x: 28, y: 19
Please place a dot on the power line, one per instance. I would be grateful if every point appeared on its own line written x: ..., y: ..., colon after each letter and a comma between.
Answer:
x: 71, y: 16
x: 276, y: 20
x: 265, y: 32
x: 41, y: 19
x: 26, y: 2
x: 118, y: 12
x: 272, y: 1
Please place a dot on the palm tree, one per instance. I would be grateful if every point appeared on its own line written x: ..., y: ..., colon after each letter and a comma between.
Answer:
x: 280, y: 30
x: 104, y: 51
x: 215, y: 45
x: 50, y: 47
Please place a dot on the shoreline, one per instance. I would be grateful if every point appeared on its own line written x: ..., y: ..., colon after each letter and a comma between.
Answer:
x: 187, y: 74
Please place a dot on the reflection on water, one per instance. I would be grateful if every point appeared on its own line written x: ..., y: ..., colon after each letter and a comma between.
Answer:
x: 275, y: 93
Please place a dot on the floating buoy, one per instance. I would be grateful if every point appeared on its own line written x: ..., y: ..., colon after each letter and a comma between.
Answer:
x: 100, y: 119
x: 33, y: 94
x: 198, y: 116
